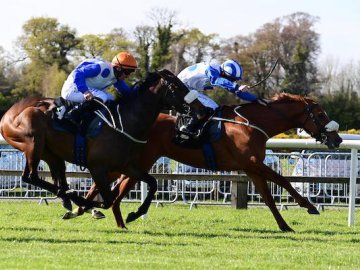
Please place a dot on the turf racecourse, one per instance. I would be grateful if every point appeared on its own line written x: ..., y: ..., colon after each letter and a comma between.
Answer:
x: 34, y: 236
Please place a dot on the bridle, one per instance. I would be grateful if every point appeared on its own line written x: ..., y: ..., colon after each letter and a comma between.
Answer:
x: 319, y: 136
x: 322, y: 129
x: 170, y: 94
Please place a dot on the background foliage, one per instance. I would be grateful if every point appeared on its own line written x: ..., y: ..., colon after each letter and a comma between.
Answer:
x: 47, y: 51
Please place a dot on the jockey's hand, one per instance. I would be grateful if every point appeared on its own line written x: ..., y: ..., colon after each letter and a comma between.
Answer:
x: 243, y: 88
x: 262, y: 102
x: 88, y: 95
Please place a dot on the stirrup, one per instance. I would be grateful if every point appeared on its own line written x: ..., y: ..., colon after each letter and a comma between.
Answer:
x: 186, y: 133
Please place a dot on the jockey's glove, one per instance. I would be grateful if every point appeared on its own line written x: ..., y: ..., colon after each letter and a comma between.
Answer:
x: 243, y: 88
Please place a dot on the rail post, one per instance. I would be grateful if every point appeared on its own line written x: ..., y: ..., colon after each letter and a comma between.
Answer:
x: 239, y: 198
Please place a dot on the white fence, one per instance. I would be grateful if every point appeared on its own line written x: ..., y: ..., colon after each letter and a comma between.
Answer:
x: 173, y: 187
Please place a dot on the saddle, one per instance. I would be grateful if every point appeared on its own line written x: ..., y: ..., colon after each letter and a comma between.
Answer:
x: 90, y: 125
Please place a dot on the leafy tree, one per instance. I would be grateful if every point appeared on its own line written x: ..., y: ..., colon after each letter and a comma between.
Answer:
x: 299, y: 49
x: 191, y: 46
x: 292, y: 40
x: 144, y: 36
x: 53, y: 81
x: 46, y: 42
x: 163, y: 37
x: 343, y: 107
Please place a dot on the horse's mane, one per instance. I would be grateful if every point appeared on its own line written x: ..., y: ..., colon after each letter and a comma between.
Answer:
x: 286, y: 97
x: 142, y: 86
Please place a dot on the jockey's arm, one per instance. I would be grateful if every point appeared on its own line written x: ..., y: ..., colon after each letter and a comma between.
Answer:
x: 123, y: 88
x: 83, y: 72
x: 216, y: 80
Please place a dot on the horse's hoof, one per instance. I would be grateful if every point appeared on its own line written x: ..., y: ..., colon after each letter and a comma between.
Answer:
x: 313, y: 211
x: 67, y: 204
x: 97, y: 214
x: 286, y: 229
x: 67, y: 215
x: 131, y: 217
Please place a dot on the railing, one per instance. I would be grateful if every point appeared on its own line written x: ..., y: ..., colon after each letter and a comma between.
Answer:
x: 176, y: 184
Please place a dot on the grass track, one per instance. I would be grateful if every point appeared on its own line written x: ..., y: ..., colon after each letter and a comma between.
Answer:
x: 34, y: 236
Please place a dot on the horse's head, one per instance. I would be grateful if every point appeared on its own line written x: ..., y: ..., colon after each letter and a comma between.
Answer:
x: 177, y: 94
x: 316, y: 122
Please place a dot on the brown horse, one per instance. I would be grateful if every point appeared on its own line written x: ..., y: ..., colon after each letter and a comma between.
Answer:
x: 241, y: 147
x: 27, y: 126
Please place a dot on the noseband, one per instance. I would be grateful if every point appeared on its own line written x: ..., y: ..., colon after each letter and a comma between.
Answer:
x: 322, y: 130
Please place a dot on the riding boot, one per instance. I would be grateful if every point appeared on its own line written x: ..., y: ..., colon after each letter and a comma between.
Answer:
x: 76, y: 114
x: 194, y: 126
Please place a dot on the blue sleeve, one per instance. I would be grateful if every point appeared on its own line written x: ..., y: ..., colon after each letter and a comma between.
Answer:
x: 83, y: 72
x: 216, y: 80
x: 246, y: 96
x: 123, y: 88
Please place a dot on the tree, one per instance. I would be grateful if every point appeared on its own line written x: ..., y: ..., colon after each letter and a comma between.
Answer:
x: 46, y: 42
x: 104, y: 46
x: 344, y: 108
x: 290, y: 39
x: 144, y: 36
x: 163, y: 37
x: 190, y: 47
x: 299, y: 49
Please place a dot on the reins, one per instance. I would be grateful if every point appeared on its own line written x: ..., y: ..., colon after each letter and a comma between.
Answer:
x: 246, y: 123
x: 113, y: 124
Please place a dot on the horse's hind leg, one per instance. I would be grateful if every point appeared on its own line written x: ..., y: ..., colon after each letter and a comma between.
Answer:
x: 57, y: 170
x: 281, y: 181
x: 264, y: 191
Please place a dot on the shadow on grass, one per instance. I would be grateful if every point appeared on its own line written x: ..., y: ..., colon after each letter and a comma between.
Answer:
x: 84, y: 241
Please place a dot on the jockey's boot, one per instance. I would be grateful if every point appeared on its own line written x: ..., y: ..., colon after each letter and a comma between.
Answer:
x: 76, y: 114
x: 195, y: 125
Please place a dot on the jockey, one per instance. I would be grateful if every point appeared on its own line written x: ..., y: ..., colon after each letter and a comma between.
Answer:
x: 201, y: 77
x: 90, y: 79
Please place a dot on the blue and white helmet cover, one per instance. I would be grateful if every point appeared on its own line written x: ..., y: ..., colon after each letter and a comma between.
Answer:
x: 232, y: 69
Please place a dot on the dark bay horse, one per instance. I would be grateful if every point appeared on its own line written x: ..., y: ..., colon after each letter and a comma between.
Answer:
x: 242, y: 147
x: 27, y: 126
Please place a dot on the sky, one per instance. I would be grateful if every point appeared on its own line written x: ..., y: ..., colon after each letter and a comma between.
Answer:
x: 338, y: 26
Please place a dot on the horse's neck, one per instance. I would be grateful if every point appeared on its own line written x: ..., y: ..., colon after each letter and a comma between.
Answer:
x: 283, y: 117
x: 273, y: 120
x: 139, y: 114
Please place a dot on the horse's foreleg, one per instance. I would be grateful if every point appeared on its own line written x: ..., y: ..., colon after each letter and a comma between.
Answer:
x: 262, y: 188
x: 144, y: 207
x: 124, y: 185
x: 281, y: 181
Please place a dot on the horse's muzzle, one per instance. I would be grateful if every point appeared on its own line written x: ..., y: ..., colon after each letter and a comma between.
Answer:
x: 333, y: 143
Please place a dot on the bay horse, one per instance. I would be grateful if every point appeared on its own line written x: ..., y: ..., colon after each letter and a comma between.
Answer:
x: 27, y: 126
x: 241, y: 147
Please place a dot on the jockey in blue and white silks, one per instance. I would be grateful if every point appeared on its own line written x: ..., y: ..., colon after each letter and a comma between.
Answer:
x: 201, y: 77
x: 94, y: 76
x: 91, y: 78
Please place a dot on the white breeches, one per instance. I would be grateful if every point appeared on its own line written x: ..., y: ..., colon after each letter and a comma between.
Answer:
x: 207, y: 102
x: 71, y: 93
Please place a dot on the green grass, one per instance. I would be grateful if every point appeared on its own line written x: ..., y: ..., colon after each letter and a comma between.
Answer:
x: 34, y: 236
